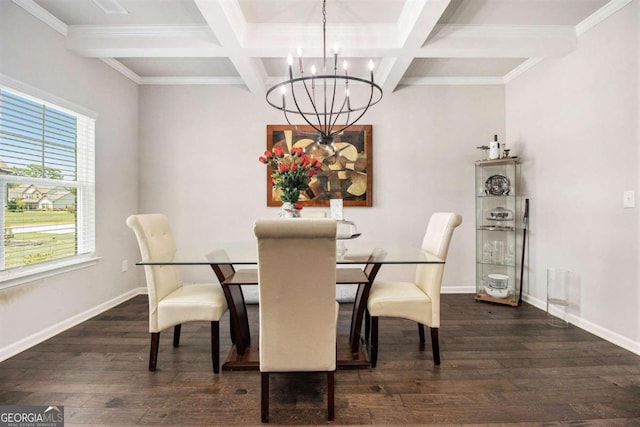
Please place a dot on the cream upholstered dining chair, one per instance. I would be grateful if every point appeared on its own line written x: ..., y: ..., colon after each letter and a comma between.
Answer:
x: 297, y: 294
x: 419, y: 300
x: 307, y: 213
x: 170, y: 302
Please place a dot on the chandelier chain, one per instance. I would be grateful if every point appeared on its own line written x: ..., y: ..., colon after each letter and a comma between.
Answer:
x: 324, y: 36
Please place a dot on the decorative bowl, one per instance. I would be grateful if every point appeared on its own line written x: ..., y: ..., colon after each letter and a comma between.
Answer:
x: 500, y: 214
x: 496, y: 293
x: 497, y: 185
x: 498, y: 281
x: 346, y: 229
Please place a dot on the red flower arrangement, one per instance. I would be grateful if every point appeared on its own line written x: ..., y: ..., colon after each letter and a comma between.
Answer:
x: 291, y: 172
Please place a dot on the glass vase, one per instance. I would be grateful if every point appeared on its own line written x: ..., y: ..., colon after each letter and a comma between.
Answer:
x: 289, y: 211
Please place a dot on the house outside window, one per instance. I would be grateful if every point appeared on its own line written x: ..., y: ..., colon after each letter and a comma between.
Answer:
x: 47, y: 185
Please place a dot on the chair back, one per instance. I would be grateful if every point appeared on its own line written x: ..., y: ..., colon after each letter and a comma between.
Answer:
x: 297, y: 294
x: 306, y: 213
x: 436, y: 241
x: 156, y: 241
x: 439, y: 231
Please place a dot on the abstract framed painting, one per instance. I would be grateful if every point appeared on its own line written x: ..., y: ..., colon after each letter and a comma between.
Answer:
x: 347, y: 164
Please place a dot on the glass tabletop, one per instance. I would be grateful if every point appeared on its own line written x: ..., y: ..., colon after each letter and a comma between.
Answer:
x: 247, y: 253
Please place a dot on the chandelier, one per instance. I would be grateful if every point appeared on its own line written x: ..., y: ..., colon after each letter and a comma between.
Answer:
x: 323, y: 100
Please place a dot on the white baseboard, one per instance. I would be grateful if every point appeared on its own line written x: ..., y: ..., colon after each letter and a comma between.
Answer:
x: 53, y: 330
x: 458, y: 290
x: 590, y: 327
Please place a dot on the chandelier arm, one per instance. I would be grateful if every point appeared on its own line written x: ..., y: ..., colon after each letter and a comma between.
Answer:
x: 311, y: 99
x: 326, y: 128
x: 286, y: 117
x: 361, y: 114
x: 340, y: 113
x: 295, y: 101
x: 331, y: 122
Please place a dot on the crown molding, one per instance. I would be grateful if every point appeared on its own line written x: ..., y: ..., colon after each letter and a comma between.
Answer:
x: 600, y: 15
x: 521, y: 69
x: 40, y: 13
x: 122, y: 69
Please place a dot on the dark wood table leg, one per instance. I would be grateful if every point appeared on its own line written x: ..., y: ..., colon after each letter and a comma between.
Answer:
x: 360, y: 305
x: 239, y: 320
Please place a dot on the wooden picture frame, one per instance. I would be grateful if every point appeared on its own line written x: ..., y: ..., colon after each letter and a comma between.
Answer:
x: 347, y: 174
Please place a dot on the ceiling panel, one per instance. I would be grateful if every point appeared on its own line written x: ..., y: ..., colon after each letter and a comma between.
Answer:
x: 519, y: 12
x: 141, y: 12
x: 338, y: 11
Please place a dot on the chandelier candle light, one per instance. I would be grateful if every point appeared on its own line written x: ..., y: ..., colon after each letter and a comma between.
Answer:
x: 316, y: 99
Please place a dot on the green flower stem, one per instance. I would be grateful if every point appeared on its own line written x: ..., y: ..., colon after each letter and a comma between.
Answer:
x: 290, y: 195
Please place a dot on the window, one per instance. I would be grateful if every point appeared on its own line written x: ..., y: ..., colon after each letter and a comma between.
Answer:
x: 47, y: 185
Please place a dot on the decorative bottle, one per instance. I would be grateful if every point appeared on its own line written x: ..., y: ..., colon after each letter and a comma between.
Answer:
x: 494, y: 148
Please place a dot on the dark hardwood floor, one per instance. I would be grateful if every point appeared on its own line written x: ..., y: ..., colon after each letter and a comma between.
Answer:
x: 500, y: 366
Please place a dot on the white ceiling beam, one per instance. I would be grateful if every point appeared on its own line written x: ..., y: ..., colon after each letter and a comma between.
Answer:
x: 417, y: 20
x: 198, y: 40
x: 454, y: 81
x: 143, y: 41
x: 499, y: 41
x: 225, y: 19
x: 191, y: 80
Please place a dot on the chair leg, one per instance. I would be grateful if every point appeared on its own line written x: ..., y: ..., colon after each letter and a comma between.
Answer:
x: 176, y: 335
x: 215, y: 346
x: 374, y: 341
x: 435, y: 345
x: 331, y: 413
x: 421, y: 333
x: 264, y: 399
x: 153, y: 353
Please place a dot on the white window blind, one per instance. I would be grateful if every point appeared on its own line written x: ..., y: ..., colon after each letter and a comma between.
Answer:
x: 47, y: 182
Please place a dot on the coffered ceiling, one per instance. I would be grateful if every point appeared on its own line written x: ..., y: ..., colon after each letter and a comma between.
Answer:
x: 245, y: 42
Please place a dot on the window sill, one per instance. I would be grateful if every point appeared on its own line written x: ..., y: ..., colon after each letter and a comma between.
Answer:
x: 19, y: 276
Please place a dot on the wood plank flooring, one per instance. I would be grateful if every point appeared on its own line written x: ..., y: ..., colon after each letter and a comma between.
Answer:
x: 500, y: 366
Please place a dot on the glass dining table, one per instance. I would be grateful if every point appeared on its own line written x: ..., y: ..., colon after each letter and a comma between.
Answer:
x: 358, y: 263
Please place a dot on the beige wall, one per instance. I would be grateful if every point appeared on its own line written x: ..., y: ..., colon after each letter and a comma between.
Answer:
x: 199, y: 149
x: 37, y: 56
x: 575, y: 120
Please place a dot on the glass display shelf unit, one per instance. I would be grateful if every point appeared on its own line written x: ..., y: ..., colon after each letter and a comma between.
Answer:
x: 498, y: 231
